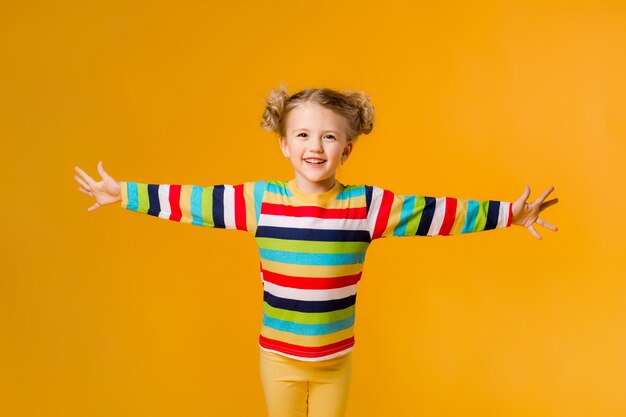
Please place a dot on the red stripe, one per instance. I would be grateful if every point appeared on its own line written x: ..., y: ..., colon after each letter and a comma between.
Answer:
x: 314, y: 211
x: 240, y: 208
x: 306, y: 351
x: 174, y: 197
x: 314, y: 283
x: 383, y: 214
x: 448, y: 219
x: 510, y: 215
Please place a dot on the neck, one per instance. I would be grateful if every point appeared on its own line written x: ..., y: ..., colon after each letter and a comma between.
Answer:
x: 310, y: 187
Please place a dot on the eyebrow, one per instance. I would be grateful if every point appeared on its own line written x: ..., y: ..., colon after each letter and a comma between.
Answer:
x: 324, y: 131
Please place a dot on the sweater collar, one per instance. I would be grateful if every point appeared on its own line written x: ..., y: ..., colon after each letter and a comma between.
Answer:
x: 317, y: 199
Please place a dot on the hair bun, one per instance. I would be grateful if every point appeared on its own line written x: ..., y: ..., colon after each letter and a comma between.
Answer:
x: 274, y: 107
x: 362, y: 102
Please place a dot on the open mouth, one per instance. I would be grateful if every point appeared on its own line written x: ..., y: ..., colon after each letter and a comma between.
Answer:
x: 315, y: 161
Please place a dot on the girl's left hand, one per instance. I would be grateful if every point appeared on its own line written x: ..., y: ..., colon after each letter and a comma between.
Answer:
x: 527, y: 214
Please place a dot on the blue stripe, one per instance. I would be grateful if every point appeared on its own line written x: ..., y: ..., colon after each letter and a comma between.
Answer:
x: 275, y: 188
x: 407, y: 211
x: 196, y: 205
x: 153, y: 198
x: 218, y: 206
x: 492, y: 215
x: 368, y: 198
x: 259, y: 189
x: 133, y: 197
x: 470, y: 219
x: 427, y: 216
x: 309, y: 306
x: 351, y: 192
x: 308, y: 329
x: 300, y: 258
x: 320, y: 235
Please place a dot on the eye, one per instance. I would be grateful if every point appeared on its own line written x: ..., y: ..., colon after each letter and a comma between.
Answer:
x: 332, y: 137
x: 300, y: 134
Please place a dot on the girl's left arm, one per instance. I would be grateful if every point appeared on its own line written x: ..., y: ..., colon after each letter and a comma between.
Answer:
x: 390, y: 214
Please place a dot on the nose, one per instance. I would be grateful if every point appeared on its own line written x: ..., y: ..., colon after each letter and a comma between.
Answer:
x: 316, y: 144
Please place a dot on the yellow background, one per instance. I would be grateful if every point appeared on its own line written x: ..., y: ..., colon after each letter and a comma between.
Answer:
x: 111, y: 313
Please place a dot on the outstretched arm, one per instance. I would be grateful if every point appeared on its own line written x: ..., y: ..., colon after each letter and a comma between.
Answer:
x: 219, y: 206
x: 391, y: 214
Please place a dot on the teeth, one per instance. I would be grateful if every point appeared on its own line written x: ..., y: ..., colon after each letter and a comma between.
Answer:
x: 315, y: 161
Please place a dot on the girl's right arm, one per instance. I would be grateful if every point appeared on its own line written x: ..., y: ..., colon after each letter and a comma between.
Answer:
x: 219, y: 206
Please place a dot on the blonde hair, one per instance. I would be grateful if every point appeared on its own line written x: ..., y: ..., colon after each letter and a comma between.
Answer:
x: 355, y: 106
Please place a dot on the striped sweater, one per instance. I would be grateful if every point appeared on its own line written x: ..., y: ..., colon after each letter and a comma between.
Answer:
x: 312, y: 246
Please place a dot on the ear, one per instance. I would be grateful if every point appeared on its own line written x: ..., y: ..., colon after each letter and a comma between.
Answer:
x: 282, y: 141
x: 347, y: 150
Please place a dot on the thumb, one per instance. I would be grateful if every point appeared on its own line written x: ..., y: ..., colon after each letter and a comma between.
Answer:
x: 102, y: 172
x: 522, y: 199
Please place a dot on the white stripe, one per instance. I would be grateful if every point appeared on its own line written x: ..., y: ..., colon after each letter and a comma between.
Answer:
x: 372, y: 215
x: 164, y: 201
x: 309, y: 295
x: 312, y: 222
x: 307, y: 359
x: 503, y: 217
x: 229, y: 206
x: 440, y: 213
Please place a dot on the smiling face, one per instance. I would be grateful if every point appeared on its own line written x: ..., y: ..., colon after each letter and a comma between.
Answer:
x: 316, y: 144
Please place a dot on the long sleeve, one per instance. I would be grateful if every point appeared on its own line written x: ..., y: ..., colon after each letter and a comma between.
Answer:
x: 399, y: 215
x: 218, y: 206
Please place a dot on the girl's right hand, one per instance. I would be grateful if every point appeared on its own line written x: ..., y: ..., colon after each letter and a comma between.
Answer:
x: 107, y: 191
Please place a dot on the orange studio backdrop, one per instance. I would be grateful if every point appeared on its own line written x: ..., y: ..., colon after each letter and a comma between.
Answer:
x: 112, y: 313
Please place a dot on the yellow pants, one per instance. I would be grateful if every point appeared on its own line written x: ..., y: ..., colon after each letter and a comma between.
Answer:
x: 295, y: 388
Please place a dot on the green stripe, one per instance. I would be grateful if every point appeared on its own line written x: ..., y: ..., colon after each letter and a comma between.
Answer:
x: 416, y: 216
x: 307, y: 318
x: 142, y: 197
x: 207, y: 206
x: 481, y: 216
x: 307, y: 246
x: 282, y: 185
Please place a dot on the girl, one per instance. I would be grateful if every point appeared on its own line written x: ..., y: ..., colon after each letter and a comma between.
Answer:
x: 312, y: 233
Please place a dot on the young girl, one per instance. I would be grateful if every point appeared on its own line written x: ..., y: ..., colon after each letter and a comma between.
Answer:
x: 312, y: 233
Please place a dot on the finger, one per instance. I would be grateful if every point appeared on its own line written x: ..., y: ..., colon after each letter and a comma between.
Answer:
x: 547, y: 225
x: 84, y: 175
x: 547, y: 204
x: 92, y: 208
x: 534, y: 232
x: 522, y: 199
x: 101, y: 170
x: 85, y: 191
x: 81, y: 182
x: 543, y: 195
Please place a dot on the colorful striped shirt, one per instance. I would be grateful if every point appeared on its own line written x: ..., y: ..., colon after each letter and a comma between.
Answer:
x: 312, y: 246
